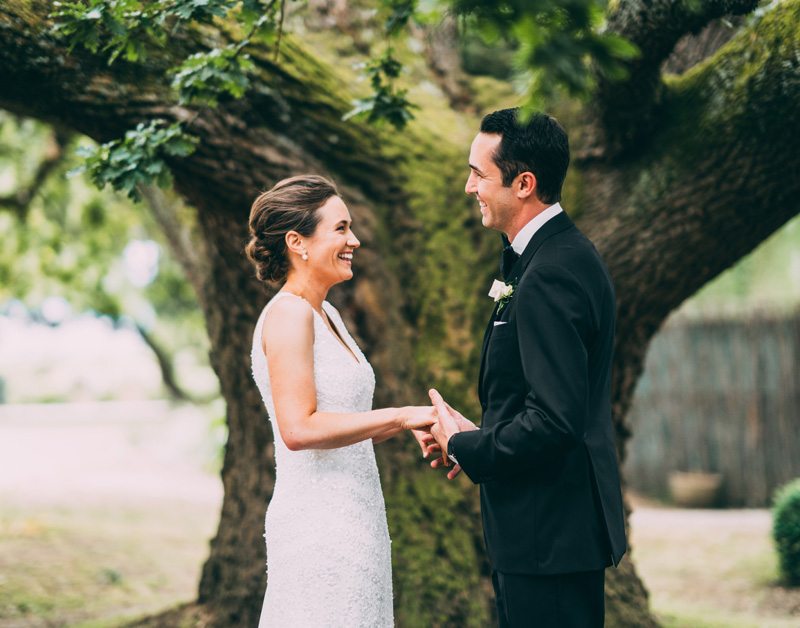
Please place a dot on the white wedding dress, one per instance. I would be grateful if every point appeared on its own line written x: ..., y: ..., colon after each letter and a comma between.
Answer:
x: 328, y: 547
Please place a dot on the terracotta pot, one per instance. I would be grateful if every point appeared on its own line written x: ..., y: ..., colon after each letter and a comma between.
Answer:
x: 695, y: 489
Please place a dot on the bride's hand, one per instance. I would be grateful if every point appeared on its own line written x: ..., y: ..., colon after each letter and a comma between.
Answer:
x: 427, y: 443
x: 417, y: 417
x: 452, y: 473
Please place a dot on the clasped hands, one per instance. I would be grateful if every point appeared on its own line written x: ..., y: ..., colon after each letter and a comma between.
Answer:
x: 434, y: 439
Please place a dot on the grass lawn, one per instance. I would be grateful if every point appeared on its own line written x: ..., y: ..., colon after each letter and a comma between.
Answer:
x: 712, y: 568
x: 105, y: 511
x: 104, y: 521
x: 97, y: 565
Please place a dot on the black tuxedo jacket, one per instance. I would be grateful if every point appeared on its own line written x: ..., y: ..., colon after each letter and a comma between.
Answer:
x: 544, y: 456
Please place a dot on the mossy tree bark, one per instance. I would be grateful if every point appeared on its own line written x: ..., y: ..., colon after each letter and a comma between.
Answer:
x: 710, y: 174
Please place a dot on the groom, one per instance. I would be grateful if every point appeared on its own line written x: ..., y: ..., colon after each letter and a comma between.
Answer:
x: 544, y: 455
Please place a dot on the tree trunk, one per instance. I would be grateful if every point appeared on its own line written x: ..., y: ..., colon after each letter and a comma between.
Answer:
x: 712, y: 180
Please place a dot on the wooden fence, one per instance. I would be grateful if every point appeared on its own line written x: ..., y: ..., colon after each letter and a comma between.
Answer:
x: 720, y: 396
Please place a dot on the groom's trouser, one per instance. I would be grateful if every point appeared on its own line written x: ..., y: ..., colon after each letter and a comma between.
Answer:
x: 562, y: 600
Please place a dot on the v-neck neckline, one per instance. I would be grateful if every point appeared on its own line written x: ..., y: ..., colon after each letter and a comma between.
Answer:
x: 334, y: 331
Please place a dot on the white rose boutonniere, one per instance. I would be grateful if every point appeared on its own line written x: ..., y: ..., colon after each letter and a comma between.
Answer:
x: 501, y: 293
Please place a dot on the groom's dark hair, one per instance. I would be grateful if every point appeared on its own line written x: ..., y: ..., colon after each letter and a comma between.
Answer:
x: 540, y: 146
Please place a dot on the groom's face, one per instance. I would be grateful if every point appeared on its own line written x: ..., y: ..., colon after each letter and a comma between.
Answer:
x: 498, y: 204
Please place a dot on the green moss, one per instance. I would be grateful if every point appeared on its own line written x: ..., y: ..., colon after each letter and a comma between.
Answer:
x: 743, y: 86
x: 445, y: 261
x: 490, y: 93
x: 430, y: 543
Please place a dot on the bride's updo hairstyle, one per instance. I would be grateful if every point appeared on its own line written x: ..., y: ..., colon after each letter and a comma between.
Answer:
x: 291, y: 205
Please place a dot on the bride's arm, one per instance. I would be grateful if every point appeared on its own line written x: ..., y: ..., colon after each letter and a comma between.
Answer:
x: 288, y: 340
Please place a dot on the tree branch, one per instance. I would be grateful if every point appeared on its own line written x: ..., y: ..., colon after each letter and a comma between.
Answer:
x: 279, y: 123
x: 20, y: 199
x: 179, y: 237
x: 627, y: 108
x: 692, y: 49
x: 167, y: 368
x: 719, y: 178
x: 444, y: 61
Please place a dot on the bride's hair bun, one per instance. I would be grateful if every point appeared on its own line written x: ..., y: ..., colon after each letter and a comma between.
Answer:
x: 291, y: 205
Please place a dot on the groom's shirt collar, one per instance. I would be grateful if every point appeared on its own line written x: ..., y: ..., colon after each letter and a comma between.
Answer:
x: 526, y: 233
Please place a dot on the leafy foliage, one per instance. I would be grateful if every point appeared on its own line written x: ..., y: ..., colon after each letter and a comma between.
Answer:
x: 75, y: 242
x: 400, y: 12
x: 138, y: 158
x: 560, y: 44
x: 204, y: 76
x: 786, y: 530
x: 386, y: 101
x: 557, y: 46
x: 198, y: 10
x: 118, y: 27
x: 130, y: 28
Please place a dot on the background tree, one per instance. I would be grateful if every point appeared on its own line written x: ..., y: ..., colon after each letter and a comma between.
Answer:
x: 674, y: 177
x: 96, y: 249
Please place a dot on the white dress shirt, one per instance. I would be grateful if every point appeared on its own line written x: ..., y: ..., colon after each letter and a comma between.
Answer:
x: 525, y: 234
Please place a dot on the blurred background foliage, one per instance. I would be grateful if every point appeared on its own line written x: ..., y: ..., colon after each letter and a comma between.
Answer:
x: 71, y: 250
x: 768, y: 280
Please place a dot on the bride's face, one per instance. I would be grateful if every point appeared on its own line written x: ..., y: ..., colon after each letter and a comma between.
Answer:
x: 330, y: 249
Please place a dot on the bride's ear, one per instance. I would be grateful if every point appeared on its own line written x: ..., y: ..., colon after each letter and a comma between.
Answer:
x: 294, y: 243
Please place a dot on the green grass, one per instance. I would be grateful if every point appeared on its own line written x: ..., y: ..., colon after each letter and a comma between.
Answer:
x: 98, y: 566
x: 102, y: 565
x: 712, y: 569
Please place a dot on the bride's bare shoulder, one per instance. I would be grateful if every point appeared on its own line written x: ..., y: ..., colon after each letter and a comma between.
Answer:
x: 290, y: 307
x: 290, y: 318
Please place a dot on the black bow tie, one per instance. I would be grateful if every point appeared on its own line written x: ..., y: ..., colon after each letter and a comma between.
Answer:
x: 507, y: 261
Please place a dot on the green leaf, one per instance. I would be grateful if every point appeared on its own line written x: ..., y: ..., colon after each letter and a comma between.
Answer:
x: 138, y: 158
x: 205, y: 76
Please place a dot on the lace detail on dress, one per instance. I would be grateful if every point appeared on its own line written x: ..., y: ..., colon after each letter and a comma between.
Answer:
x: 328, y: 548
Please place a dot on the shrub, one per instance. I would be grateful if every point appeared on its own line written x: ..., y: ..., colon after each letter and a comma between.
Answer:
x: 786, y: 530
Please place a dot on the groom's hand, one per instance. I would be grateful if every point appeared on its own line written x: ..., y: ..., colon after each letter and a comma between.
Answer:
x: 464, y: 424
x: 449, y: 422
x: 445, y: 425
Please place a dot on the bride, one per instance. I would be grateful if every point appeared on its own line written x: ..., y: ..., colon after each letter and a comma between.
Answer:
x: 328, y: 547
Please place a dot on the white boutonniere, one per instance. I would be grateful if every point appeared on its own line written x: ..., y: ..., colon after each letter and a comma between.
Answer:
x: 501, y: 293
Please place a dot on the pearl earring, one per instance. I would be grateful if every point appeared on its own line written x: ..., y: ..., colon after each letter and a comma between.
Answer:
x: 305, y: 256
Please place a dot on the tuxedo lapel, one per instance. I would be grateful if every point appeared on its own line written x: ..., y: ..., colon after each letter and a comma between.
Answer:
x: 486, y: 335
x: 555, y: 225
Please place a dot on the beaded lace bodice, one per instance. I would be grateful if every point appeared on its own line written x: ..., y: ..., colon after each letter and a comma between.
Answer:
x: 343, y: 385
x: 328, y: 553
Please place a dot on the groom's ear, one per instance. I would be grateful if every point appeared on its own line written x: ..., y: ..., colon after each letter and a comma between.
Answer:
x: 525, y: 185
